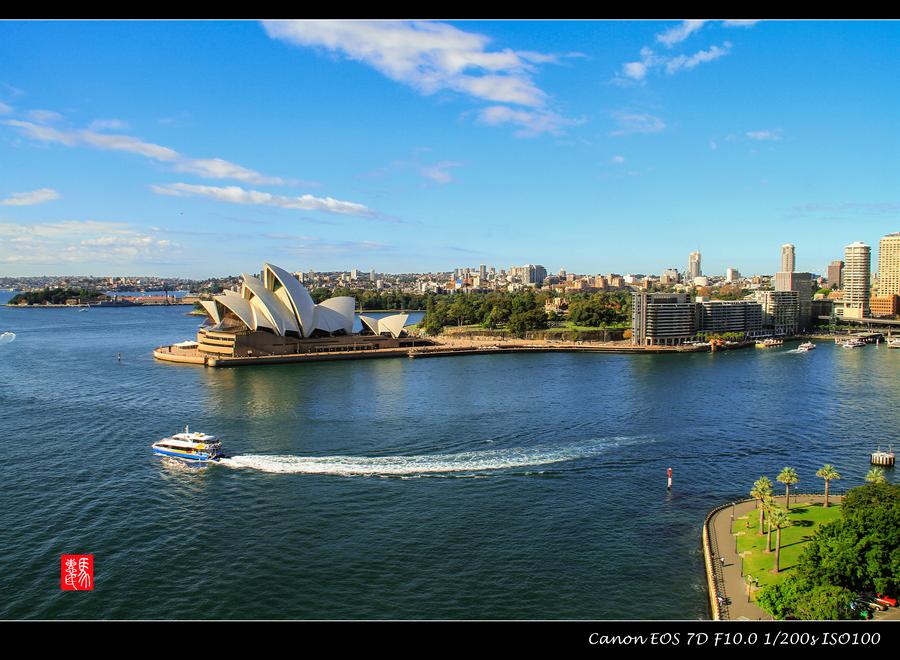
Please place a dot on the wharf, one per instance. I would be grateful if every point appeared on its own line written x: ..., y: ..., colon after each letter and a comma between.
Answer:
x: 442, y: 348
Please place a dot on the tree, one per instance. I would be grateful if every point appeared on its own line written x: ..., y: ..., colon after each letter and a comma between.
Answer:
x: 876, y: 476
x: 762, y: 488
x: 779, y: 518
x: 860, y: 551
x: 788, y: 476
x: 797, y: 596
x: 828, y: 473
x: 521, y: 322
x: 768, y: 506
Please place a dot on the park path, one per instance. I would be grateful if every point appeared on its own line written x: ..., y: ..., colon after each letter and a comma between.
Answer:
x: 728, y: 574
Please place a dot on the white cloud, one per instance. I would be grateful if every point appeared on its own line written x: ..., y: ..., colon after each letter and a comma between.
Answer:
x: 5, y: 109
x: 679, y: 33
x: 531, y: 123
x: 30, y: 198
x: 216, y: 168
x: 635, y: 70
x: 617, y: 160
x: 109, y: 125
x: 209, y: 168
x: 428, y: 56
x: 772, y: 135
x: 689, y: 62
x: 439, y: 172
x: 75, y: 241
x: 431, y: 57
x: 310, y: 246
x: 43, y: 116
x: 238, y: 195
x: 740, y: 22
x: 638, y: 71
x: 637, y: 123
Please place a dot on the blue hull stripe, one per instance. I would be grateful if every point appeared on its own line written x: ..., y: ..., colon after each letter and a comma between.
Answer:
x: 195, y: 457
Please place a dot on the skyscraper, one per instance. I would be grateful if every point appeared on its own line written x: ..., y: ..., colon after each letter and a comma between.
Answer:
x: 802, y: 283
x: 787, y: 258
x: 835, y: 274
x: 857, y: 264
x: 889, y: 265
x: 694, y: 265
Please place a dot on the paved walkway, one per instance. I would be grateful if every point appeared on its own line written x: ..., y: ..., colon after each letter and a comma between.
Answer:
x: 731, y: 584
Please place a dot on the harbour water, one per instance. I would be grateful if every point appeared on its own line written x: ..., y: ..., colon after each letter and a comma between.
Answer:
x: 498, y: 486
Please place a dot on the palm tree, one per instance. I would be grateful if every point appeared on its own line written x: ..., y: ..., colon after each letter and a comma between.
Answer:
x: 762, y: 488
x: 768, y: 506
x: 876, y: 476
x: 827, y: 473
x: 779, y: 518
x: 788, y: 476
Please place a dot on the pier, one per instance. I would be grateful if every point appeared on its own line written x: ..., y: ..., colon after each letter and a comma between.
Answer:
x: 309, y: 352
x: 883, y: 458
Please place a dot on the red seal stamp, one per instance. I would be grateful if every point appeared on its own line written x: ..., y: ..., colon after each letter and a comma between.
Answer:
x: 76, y: 573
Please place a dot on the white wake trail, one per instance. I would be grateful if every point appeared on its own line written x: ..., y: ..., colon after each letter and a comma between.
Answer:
x: 470, y: 461
x: 7, y: 337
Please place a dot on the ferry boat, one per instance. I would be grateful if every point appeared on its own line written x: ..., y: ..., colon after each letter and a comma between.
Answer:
x: 192, y: 447
x: 853, y: 343
x: 894, y: 343
x: 806, y: 346
x: 768, y: 343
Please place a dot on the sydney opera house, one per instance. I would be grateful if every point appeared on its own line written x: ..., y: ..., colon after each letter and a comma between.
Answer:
x: 274, y: 314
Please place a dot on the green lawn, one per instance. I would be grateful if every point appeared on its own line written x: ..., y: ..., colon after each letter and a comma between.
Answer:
x: 805, y: 518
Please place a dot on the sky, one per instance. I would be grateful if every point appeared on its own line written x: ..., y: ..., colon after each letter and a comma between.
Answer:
x: 195, y: 149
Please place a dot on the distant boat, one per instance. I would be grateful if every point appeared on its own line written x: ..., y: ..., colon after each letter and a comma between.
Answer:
x: 806, y: 346
x: 7, y: 337
x: 769, y: 343
x: 853, y: 343
x: 894, y: 343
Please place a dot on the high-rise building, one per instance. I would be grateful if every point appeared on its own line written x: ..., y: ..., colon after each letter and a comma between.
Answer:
x: 787, y: 258
x: 857, y: 265
x: 532, y: 274
x: 732, y: 275
x: 835, y: 274
x: 694, y: 265
x: 889, y: 265
x: 354, y: 274
x: 372, y: 275
x: 662, y: 319
x: 802, y: 283
x: 781, y: 310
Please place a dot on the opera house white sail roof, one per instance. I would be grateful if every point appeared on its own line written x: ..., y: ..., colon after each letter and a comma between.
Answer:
x: 276, y: 302
x: 392, y: 324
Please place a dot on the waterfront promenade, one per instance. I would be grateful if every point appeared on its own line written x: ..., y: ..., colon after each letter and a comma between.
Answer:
x: 440, y: 347
x: 728, y: 590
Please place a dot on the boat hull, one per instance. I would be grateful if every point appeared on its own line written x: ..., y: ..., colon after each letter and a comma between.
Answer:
x: 185, y: 456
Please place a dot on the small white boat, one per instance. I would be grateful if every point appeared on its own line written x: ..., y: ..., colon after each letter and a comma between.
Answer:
x: 7, y: 337
x: 853, y: 343
x: 191, y: 447
x: 806, y: 346
x: 894, y: 343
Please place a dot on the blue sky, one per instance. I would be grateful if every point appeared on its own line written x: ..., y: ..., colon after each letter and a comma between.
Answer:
x: 206, y: 148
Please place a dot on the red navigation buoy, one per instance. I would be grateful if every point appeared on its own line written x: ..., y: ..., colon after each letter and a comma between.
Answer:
x: 669, y: 487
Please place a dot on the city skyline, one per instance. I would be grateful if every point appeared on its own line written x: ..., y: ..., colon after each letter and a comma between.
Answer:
x: 598, y: 146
